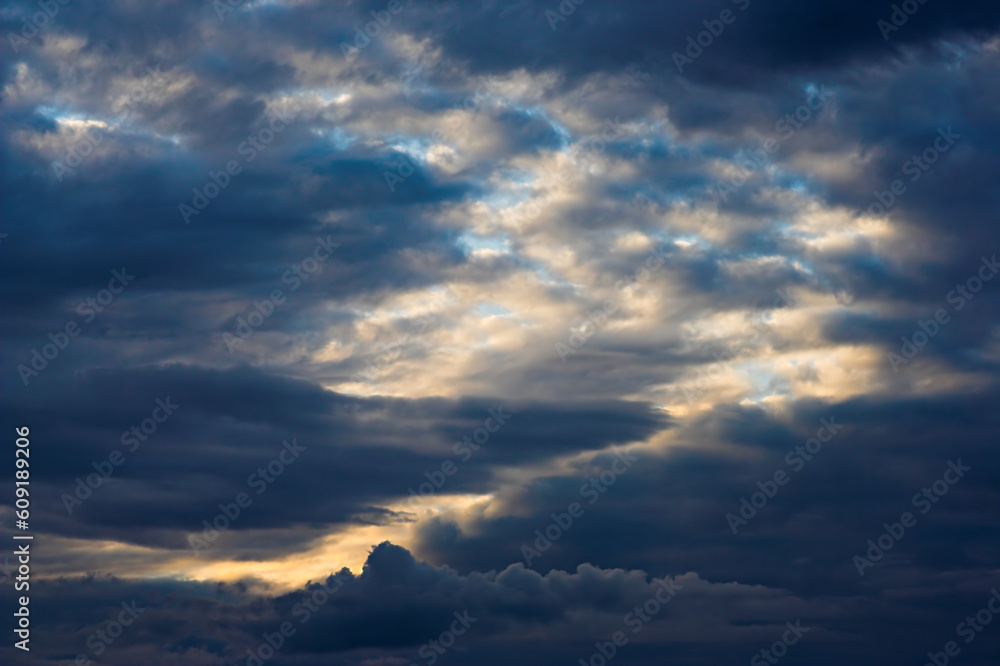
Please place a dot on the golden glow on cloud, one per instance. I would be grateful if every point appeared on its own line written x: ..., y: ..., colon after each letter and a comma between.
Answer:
x: 349, y: 547
x: 495, y: 332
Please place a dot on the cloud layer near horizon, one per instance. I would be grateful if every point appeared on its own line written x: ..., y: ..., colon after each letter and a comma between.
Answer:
x: 467, y: 264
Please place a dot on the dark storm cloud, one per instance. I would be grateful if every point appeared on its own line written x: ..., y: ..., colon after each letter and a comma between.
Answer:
x: 775, y: 36
x: 359, y: 452
x: 353, y: 120
x: 665, y: 510
x: 397, y: 604
x: 669, y: 513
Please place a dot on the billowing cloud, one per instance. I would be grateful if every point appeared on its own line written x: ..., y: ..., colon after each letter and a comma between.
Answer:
x: 561, y: 304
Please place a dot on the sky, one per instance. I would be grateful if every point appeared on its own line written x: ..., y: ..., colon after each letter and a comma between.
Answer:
x: 474, y: 333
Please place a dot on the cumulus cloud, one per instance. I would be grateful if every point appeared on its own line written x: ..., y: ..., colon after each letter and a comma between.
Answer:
x: 473, y: 207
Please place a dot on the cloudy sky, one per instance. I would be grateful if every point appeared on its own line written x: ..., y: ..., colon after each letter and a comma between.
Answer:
x: 477, y: 333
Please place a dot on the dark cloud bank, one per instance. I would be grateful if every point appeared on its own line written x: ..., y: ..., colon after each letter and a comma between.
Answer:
x: 901, y: 432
